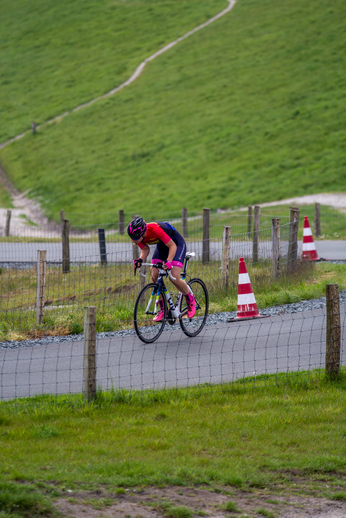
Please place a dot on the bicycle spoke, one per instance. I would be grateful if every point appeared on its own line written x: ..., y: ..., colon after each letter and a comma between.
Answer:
x: 146, y: 328
x: 193, y: 326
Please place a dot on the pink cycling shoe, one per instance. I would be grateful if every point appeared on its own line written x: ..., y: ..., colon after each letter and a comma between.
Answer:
x: 161, y: 313
x: 191, y: 305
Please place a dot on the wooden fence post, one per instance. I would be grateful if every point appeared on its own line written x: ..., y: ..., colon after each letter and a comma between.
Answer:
x: 121, y: 222
x: 317, y: 220
x: 293, y: 238
x: 89, y: 364
x: 41, y: 284
x: 66, y: 246
x: 8, y: 223
x: 333, y: 332
x: 276, y: 246
x: 102, y: 243
x: 225, y: 256
x: 184, y: 221
x: 249, y: 221
x: 255, y: 242
x: 206, y: 236
x: 135, y: 251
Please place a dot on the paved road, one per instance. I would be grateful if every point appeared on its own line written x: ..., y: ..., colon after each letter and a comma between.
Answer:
x: 333, y: 250
x: 122, y: 252
x: 220, y: 354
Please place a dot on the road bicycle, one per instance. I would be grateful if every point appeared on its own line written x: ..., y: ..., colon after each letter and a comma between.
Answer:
x: 147, y: 305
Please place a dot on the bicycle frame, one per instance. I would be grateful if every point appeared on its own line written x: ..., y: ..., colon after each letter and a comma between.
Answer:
x: 162, y: 290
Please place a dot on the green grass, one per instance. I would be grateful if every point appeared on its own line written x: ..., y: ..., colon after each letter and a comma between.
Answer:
x: 231, y: 507
x: 246, y: 111
x: 5, y: 199
x: 23, y: 501
x: 309, y: 283
x: 57, y: 56
x: 264, y: 512
x: 246, y: 436
x: 111, y: 289
x: 174, y: 511
x: 333, y: 221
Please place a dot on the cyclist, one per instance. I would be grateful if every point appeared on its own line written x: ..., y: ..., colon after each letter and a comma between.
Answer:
x: 170, y: 250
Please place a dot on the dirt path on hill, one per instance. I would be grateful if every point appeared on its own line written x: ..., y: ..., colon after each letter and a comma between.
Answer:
x: 27, y: 209
x: 134, y: 76
x: 337, y: 200
x: 24, y: 208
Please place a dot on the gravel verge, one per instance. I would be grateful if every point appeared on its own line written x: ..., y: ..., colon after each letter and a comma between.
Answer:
x: 214, y: 319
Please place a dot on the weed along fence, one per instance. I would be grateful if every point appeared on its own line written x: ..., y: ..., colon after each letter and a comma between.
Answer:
x: 284, y: 348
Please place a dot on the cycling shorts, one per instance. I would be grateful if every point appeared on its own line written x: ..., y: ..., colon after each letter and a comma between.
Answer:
x: 161, y: 251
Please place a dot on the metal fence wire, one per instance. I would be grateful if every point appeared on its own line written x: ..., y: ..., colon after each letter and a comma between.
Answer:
x: 225, y: 355
x: 46, y: 282
x: 44, y: 287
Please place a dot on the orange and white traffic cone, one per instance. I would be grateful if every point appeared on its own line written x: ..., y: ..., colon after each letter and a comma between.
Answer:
x: 247, y: 306
x: 309, y: 248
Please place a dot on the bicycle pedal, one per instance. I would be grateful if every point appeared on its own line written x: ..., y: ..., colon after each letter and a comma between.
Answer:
x: 170, y: 319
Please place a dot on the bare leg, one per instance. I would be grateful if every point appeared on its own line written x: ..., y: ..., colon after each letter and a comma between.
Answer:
x: 154, y: 274
x: 179, y: 283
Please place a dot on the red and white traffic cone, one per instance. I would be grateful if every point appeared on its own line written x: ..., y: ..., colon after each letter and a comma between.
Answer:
x: 247, y: 307
x: 309, y: 248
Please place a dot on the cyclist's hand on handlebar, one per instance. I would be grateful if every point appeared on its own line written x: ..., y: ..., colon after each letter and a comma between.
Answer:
x: 137, y: 263
x: 168, y: 265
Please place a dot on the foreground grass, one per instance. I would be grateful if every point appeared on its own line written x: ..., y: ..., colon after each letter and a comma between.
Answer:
x: 113, y: 290
x: 247, y: 110
x: 253, y: 434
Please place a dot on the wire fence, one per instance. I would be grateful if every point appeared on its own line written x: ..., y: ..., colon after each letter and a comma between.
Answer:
x: 283, y: 348
x: 44, y: 289
x: 20, y: 245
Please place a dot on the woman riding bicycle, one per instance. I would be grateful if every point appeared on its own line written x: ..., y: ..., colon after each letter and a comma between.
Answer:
x: 170, y: 250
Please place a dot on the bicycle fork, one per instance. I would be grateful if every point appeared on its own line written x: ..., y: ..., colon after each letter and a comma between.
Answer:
x: 166, y: 294
x: 157, y: 301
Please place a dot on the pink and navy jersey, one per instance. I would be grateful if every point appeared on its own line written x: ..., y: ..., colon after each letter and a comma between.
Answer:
x: 157, y: 232
x: 160, y: 234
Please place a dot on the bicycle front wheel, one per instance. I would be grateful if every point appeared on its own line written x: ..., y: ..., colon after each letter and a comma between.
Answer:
x: 193, y: 326
x: 147, y: 330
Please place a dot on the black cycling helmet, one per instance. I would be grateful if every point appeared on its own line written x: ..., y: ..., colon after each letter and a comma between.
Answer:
x: 137, y: 228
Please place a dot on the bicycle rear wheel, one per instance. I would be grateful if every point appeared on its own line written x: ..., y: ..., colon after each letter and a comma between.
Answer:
x: 147, y: 330
x: 193, y: 326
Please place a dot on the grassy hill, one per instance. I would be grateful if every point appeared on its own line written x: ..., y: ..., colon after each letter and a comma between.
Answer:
x: 55, y: 56
x: 250, y: 109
